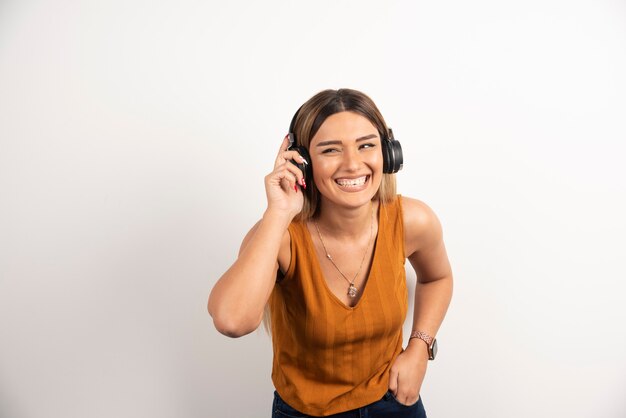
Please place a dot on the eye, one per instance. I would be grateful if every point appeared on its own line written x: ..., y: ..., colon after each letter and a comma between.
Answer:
x: 368, y: 145
x: 330, y: 150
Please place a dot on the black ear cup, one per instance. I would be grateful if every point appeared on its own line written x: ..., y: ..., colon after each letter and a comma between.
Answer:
x: 392, y: 155
x: 307, y: 169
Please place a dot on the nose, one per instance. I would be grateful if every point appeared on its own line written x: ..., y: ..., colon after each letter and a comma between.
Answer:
x: 351, y: 159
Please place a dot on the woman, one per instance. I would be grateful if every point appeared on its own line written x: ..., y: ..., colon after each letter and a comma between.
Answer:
x: 327, y: 260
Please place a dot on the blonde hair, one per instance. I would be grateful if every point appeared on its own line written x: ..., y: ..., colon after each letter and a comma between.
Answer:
x: 310, y: 117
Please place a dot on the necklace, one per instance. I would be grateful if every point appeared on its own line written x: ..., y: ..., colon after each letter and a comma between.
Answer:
x: 352, y: 290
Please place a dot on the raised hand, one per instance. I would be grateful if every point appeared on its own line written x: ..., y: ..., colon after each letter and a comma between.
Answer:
x: 282, y: 185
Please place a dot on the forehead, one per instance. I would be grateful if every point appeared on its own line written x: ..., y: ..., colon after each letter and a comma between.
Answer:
x: 344, y: 126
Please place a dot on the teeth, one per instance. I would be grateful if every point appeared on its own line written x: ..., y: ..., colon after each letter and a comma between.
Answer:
x: 352, y: 182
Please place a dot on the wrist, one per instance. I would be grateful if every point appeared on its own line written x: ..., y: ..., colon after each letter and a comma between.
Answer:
x: 426, y: 341
x: 279, y: 217
x: 418, y: 348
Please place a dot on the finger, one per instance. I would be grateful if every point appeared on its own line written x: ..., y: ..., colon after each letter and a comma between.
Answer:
x: 296, y: 174
x: 406, y: 396
x: 284, y: 146
x: 284, y: 176
x: 288, y: 156
x: 393, y: 382
x: 410, y: 400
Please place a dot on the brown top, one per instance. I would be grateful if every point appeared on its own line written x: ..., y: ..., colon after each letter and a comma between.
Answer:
x: 329, y: 357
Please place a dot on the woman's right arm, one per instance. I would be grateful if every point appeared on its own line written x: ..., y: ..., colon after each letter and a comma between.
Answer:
x: 238, y: 299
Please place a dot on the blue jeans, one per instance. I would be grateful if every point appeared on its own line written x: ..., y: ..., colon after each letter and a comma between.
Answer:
x: 386, y: 407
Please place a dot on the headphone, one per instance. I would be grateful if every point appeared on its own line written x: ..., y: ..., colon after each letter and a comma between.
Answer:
x: 392, y: 152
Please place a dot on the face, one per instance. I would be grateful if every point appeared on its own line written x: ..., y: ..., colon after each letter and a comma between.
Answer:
x: 347, y: 159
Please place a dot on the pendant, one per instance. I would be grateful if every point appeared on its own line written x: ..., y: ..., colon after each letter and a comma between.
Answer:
x: 352, y: 290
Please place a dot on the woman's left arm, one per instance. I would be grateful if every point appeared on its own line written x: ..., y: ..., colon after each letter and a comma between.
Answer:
x: 426, y: 251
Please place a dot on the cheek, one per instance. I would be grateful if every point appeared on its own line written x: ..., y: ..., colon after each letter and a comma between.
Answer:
x: 322, y: 171
x: 320, y: 177
x: 318, y: 172
x: 376, y: 161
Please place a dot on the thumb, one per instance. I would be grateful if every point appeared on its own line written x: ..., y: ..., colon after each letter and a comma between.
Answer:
x: 393, y: 382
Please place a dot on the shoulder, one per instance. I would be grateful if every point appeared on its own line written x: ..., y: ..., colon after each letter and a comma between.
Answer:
x: 421, y: 225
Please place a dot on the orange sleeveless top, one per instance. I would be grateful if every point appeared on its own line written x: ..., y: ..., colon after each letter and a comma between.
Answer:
x: 329, y: 357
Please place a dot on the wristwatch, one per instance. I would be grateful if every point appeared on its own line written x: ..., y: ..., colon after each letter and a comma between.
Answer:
x: 430, y: 342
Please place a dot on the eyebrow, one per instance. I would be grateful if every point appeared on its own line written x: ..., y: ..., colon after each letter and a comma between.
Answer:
x: 335, y: 142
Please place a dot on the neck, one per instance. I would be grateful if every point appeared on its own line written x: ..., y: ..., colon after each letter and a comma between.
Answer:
x: 345, y: 222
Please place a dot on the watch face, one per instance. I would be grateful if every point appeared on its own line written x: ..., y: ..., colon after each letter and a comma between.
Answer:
x: 433, y: 350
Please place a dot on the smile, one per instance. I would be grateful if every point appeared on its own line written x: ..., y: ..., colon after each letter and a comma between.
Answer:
x: 359, y: 181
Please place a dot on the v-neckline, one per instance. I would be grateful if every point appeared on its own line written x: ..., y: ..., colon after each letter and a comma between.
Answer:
x: 318, y: 265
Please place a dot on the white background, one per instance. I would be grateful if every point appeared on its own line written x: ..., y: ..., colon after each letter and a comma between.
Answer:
x: 134, y: 137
